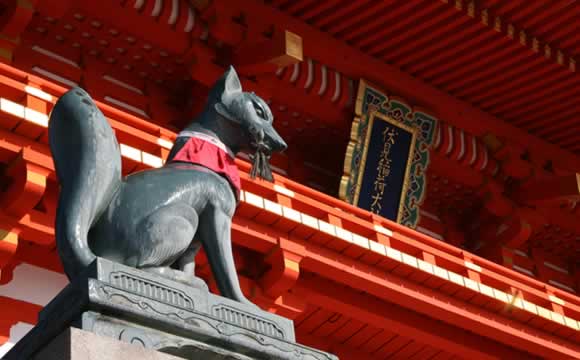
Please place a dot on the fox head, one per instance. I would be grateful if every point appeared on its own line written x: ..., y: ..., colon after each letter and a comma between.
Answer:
x: 248, y: 110
x: 243, y: 121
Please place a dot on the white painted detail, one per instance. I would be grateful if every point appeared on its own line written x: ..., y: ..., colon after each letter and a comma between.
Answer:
x: 344, y: 234
x: 164, y: 143
x: 55, y: 56
x: 561, y: 286
x: 337, y: 88
x: 139, y: 4
x: 429, y: 215
x: 559, y: 318
x: 500, y: 295
x: 410, y: 260
x: 360, y: 241
x: 519, y: 252
x: 190, y: 20
x: 242, y: 196
x: 255, y: 200
x: 55, y: 77
x: 126, y: 106
x: 472, y: 266
x: 152, y: 160
x: 36, y: 117
x: 310, y: 76
x: 282, y: 190
x: 474, y: 151
x: 438, y: 137
x: 378, y: 248
x: 327, y: 228
x: 130, y: 152
x: 455, y: 278
x: 450, y: 145
x: 33, y: 284
x: 324, y: 80
x: 572, y: 323
x: 174, y: 12
x: 440, y: 272
x: 523, y: 270
x: 291, y: 214
x: 38, y: 93
x: 543, y: 312
x: 486, y: 290
x: 157, y: 8
x: 429, y: 233
x: 273, y: 207
x: 462, y: 144
x: 122, y: 84
x: 425, y: 266
x: 17, y: 332
x: 485, y: 159
x: 393, y: 253
x: 471, y: 284
x: 11, y: 107
x: 555, y: 267
x: 295, y: 73
x: 383, y: 230
x: 531, y: 307
x: 556, y: 300
x: 309, y: 221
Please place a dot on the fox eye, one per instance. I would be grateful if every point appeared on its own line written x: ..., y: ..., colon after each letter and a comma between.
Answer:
x: 259, y: 110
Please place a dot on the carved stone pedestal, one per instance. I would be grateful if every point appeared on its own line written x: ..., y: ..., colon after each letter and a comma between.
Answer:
x: 133, y: 306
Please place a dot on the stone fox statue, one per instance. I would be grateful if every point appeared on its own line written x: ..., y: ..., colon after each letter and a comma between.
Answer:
x: 158, y: 219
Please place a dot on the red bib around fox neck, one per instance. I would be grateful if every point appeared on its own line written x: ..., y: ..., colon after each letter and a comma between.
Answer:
x: 207, y: 151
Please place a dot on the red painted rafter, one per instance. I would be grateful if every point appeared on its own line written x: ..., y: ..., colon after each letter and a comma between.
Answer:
x: 318, y: 9
x: 339, y: 13
x: 417, y: 29
x: 373, y: 44
x: 515, y: 88
x: 436, y: 35
x: 365, y: 31
x: 358, y: 20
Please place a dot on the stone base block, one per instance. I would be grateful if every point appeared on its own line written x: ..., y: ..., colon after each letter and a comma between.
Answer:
x: 136, y: 307
x: 77, y: 344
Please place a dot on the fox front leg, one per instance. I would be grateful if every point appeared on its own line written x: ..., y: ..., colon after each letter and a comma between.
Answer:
x: 215, y: 234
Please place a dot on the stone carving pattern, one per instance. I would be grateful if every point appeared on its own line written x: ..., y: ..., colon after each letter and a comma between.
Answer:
x: 150, y: 289
x: 114, y: 295
x: 245, y: 320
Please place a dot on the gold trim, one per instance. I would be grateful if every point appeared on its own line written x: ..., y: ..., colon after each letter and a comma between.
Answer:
x: 404, y: 190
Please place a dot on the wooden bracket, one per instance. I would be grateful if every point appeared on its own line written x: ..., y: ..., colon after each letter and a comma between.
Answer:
x: 282, y: 50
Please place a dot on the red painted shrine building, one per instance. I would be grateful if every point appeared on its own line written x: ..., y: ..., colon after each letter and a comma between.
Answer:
x: 483, y: 258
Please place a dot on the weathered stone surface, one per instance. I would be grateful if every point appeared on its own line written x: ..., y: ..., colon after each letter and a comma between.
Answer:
x: 76, y: 344
x: 135, y: 306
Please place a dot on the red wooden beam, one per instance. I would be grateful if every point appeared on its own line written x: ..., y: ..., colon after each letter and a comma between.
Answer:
x: 409, y: 324
x: 551, y: 189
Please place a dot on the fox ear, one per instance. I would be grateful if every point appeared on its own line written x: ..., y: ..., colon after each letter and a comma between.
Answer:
x: 232, y: 83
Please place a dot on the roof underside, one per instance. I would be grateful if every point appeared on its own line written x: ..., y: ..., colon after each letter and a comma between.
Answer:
x: 512, y: 59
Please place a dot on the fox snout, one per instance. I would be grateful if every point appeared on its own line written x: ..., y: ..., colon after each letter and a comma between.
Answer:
x: 273, y: 140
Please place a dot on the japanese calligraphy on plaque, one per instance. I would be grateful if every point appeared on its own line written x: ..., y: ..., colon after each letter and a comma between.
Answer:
x: 384, y: 169
x: 387, y: 156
